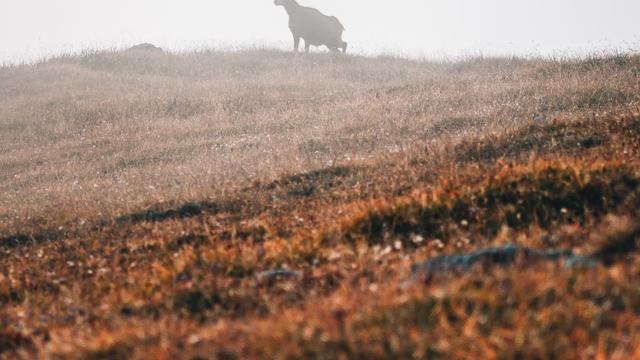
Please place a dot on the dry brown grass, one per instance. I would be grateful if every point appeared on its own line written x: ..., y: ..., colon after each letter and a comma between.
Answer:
x: 124, y: 130
x: 144, y: 195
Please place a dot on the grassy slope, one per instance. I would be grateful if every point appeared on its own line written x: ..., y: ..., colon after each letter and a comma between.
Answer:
x: 143, y: 195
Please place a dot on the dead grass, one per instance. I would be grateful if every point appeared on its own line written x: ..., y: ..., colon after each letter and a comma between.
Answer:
x: 152, y: 206
x: 543, y: 195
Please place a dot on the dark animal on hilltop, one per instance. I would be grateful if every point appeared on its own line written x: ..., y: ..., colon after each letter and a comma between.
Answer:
x: 313, y: 26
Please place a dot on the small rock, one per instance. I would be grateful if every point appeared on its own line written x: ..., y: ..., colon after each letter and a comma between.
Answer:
x: 146, y: 47
x: 278, y: 274
x: 500, y: 256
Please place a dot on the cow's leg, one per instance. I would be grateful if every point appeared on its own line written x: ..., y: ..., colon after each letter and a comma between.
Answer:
x: 296, y: 43
x: 344, y: 47
x: 307, y: 46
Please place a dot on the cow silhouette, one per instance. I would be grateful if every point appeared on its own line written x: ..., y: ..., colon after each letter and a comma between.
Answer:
x: 313, y: 26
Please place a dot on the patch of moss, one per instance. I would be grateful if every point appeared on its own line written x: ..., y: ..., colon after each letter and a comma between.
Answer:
x: 457, y: 125
x: 201, y: 302
x: 12, y: 340
x: 23, y: 240
x: 117, y: 351
x: 189, y: 239
x: 548, y: 196
x: 185, y: 211
x: 550, y: 137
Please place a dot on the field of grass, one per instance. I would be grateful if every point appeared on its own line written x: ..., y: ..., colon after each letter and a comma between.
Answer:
x: 260, y: 204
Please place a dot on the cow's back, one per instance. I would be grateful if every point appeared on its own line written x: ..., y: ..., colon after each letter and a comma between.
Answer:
x: 316, y: 28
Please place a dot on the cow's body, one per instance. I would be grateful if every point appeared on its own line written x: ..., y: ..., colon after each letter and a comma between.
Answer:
x: 313, y: 26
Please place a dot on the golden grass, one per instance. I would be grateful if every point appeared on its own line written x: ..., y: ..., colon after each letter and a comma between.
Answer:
x: 147, y: 197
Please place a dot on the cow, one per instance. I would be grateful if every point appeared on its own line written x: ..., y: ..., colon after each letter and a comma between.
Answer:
x: 313, y: 26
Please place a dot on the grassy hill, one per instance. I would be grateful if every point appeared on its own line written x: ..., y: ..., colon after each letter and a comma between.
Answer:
x: 260, y: 204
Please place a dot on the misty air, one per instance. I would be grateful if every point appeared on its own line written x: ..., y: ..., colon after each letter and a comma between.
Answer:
x: 306, y: 179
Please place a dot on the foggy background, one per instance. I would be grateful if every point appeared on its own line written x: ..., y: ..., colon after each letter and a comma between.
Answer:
x: 32, y: 29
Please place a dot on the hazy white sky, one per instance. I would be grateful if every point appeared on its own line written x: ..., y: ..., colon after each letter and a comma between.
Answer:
x: 30, y: 29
